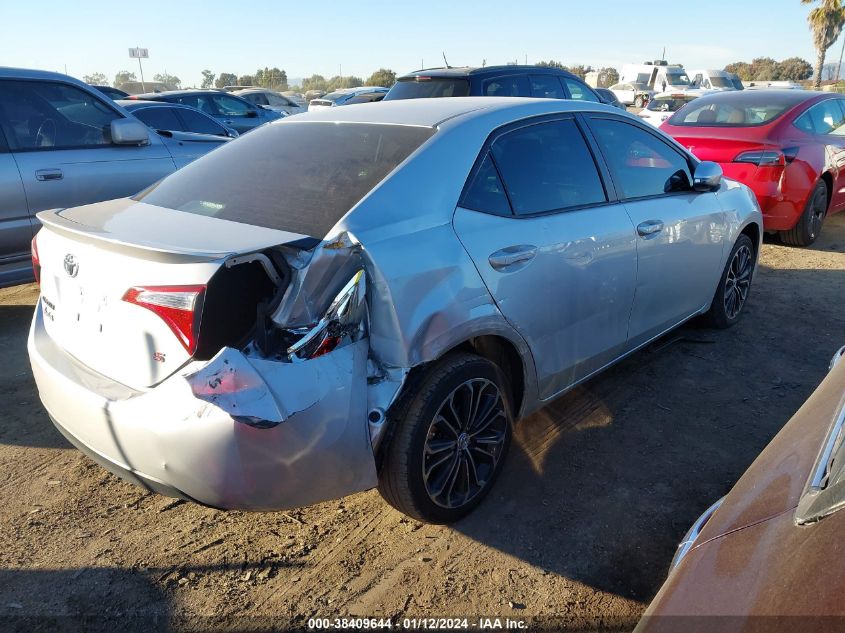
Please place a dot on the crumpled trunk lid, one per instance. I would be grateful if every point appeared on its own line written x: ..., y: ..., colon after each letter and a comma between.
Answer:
x: 90, y: 256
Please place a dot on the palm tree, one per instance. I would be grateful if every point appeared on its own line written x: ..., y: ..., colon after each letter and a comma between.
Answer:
x: 826, y: 21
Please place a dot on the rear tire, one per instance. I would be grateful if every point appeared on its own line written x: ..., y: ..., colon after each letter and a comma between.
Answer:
x: 809, y: 225
x: 638, y: 102
x: 734, y: 285
x: 451, y: 434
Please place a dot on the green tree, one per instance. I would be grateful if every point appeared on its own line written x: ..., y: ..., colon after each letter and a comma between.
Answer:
x: 826, y: 21
x: 764, y: 69
x: 741, y: 70
x: 795, y: 69
x: 226, y: 79
x: 607, y: 77
x: 122, y: 77
x: 246, y: 80
x: 207, y: 79
x: 552, y: 64
x: 272, y: 78
x: 172, y: 82
x: 337, y: 82
x: 314, y: 82
x: 382, y: 77
x: 579, y: 70
x: 95, y: 79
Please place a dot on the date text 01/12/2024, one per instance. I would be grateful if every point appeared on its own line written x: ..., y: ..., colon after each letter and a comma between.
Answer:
x: 418, y: 624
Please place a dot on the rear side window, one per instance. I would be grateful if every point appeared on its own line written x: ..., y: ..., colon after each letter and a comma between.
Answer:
x: 49, y: 115
x: 159, y: 118
x: 256, y: 98
x: 486, y: 192
x: 642, y: 165
x: 547, y: 167
x: 428, y: 87
x: 294, y: 176
x: 579, y: 91
x: 826, y: 117
x: 199, y: 123
x: 546, y: 87
x: 513, y: 86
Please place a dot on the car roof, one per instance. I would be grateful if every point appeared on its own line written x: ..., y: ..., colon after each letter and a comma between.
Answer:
x: 134, y: 104
x: 746, y: 98
x: 473, y: 71
x: 432, y: 112
x: 176, y: 93
x: 8, y: 72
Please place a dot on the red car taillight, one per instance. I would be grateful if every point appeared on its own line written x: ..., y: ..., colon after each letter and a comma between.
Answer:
x: 770, y: 158
x: 36, y: 262
x: 178, y: 306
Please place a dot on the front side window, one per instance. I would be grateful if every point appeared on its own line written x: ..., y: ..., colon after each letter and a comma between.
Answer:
x: 48, y: 115
x: 547, y: 167
x: 199, y: 123
x: 229, y: 106
x: 642, y: 165
x: 824, y: 118
x: 513, y: 86
x: 486, y: 192
x: 257, y: 98
x: 579, y: 91
x: 546, y: 87
x: 159, y: 118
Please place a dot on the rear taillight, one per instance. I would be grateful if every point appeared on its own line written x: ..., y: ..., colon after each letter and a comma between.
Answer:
x: 178, y: 306
x: 36, y: 262
x: 762, y: 157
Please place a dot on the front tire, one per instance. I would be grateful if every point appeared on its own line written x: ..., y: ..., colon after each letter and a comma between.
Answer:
x: 734, y: 285
x: 809, y: 225
x: 638, y: 102
x: 452, y: 430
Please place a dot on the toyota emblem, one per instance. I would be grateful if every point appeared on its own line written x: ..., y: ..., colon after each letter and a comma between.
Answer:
x: 71, y: 265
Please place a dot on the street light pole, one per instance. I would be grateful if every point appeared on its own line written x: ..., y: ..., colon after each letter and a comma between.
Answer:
x: 141, y: 69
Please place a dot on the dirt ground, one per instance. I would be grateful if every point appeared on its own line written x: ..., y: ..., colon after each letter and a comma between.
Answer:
x: 597, y: 491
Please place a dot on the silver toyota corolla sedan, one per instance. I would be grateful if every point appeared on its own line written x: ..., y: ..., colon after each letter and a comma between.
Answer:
x: 373, y: 295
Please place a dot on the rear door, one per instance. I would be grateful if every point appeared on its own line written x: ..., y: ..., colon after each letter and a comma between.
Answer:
x: 15, y: 221
x: 59, y: 137
x: 557, y: 254
x: 826, y: 122
x: 680, y: 232
x: 184, y: 142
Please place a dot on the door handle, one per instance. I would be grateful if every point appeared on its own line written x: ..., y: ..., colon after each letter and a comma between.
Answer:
x: 512, y: 255
x: 49, y: 174
x: 649, y: 227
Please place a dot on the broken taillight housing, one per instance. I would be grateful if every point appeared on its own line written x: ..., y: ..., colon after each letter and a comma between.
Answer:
x: 344, y: 319
x: 180, y: 307
x: 36, y: 262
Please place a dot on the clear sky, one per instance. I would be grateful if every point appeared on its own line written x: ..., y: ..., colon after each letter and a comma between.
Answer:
x: 306, y: 37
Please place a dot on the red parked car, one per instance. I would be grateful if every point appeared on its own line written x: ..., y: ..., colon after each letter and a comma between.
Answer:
x: 787, y: 145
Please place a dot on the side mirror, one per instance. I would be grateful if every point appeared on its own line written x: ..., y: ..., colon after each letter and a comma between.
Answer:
x: 129, y: 132
x: 252, y: 114
x: 707, y: 176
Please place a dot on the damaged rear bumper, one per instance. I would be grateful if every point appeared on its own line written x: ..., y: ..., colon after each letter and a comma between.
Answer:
x: 233, y: 432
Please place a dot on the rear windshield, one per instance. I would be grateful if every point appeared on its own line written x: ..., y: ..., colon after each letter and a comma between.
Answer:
x: 745, y: 112
x: 668, y: 104
x: 293, y: 176
x: 427, y: 87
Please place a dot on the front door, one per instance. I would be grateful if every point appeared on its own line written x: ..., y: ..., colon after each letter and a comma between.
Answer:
x: 558, y: 258
x: 680, y: 232
x: 59, y: 137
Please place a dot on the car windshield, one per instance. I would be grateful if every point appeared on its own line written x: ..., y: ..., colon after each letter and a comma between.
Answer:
x: 677, y: 78
x: 427, y: 87
x: 721, y: 82
x: 336, y: 96
x: 294, y: 176
x: 668, y: 104
x: 639, y: 86
x: 751, y: 110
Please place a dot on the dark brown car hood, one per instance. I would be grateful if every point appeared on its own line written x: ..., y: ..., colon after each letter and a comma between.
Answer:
x: 774, y: 483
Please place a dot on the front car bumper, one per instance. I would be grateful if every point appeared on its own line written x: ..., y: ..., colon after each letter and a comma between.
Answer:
x: 171, y: 441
